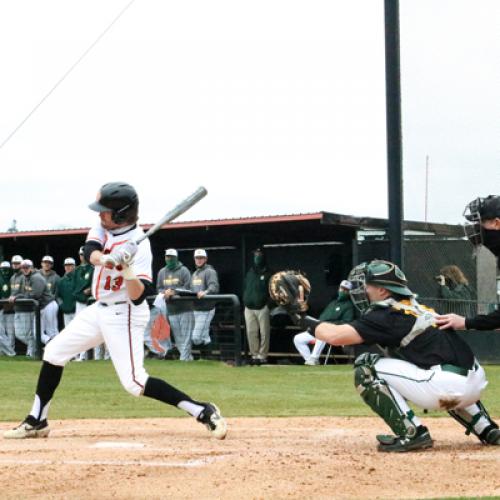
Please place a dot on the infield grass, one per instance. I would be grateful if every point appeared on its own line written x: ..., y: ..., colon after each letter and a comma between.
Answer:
x: 92, y: 390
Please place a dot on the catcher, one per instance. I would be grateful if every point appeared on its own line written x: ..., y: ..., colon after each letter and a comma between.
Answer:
x: 433, y: 369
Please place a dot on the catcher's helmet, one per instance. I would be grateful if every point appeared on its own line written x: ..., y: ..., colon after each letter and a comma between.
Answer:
x: 478, y: 210
x: 483, y: 208
x: 387, y: 275
x: 119, y: 198
x: 380, y: 273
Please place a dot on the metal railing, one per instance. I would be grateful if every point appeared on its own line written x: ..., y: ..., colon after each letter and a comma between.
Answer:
x: 225, y: 327
x: 28, y: 306
x: 466, y: 308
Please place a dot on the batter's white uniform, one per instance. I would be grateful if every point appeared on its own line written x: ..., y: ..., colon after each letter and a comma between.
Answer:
x: 113, y: 318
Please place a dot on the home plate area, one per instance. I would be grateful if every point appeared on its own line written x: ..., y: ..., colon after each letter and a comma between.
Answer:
x: 299, y: 457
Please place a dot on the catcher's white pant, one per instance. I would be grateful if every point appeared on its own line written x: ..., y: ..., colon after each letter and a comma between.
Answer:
x: 432, y: 389
x: 302, y: 342
x: 48, y: 319
x: 120, y: 326
x: 201, y: 330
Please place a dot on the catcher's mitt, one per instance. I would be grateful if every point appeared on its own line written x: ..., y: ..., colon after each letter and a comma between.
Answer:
x: 291, y: 290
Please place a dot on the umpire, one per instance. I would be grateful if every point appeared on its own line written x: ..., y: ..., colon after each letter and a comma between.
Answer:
x: 482, y: 228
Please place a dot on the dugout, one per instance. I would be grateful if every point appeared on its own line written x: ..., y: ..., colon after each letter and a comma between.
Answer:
x: 324, y: 245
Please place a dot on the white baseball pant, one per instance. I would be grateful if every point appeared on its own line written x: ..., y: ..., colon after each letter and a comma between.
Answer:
x: 302, y: 342
x: 7, y: 340
x: 48, y: 320
x: 201, y: 329
x: 432, y: 389
x: 68, y: 318
x: 24, y: 329
x: 182, y: 327
x: 120, y: 326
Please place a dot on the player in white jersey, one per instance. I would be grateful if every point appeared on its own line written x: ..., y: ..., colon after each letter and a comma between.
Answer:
x: 122, y: 280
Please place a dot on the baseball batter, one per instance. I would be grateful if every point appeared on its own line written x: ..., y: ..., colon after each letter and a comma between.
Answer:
x: 433, y: 369
x: 122, y: 280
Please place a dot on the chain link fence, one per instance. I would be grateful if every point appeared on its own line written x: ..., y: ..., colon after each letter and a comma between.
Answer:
x: 467, y: 308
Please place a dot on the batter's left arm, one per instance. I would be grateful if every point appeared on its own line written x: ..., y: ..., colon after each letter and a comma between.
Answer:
x: 135, y: 287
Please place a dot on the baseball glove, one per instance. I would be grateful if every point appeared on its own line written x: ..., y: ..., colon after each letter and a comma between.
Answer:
x: 290, y: 289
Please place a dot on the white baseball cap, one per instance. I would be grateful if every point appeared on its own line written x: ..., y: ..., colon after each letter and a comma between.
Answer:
x: 17, y: 259
x: 199, y: 252
x: 27, y: 263
x: 69, y: 261
x: 48, y: 258
x: 171, y: 251
x: 5, y: 264
x: 346, y: 284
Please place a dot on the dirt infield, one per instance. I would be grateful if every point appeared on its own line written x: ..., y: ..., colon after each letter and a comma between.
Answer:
x: 261, y: 458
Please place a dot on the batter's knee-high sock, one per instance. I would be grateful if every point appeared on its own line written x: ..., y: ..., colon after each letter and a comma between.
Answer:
x: 48, y: 380
x: 162, y: 391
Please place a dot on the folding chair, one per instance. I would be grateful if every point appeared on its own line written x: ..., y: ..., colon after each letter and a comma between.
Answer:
x: 328, y: 356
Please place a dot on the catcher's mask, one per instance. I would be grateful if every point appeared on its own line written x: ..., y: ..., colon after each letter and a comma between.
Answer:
x: 475, y: 213
x: 380, y: 273
x: 358, y: 292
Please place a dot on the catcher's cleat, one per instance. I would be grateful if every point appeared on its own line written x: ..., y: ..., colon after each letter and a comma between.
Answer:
x: 213, y: 421
x: 491, y: 435
x: 397, y: 444
x: 29, y: 428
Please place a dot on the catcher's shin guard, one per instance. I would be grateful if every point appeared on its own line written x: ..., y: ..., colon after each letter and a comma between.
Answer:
x: 488, y: 435
x: 378, y: 396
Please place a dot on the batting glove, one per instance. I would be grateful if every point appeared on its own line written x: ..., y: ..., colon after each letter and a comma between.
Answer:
x: 125, y: 253
x: 109, y: 261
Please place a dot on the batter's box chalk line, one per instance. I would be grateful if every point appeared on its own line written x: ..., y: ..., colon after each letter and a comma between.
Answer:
x: 191, y: 463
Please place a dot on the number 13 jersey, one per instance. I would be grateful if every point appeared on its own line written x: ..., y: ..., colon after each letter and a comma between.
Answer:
x: 108, y: 285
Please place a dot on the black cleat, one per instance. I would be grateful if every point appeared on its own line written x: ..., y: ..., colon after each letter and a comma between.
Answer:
x: 213, y: 421
x: 29, y: 428
x: 399, y: 444
x: 490, y: 435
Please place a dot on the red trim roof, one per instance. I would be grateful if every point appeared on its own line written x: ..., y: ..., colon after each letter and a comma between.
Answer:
x: 266, y: 219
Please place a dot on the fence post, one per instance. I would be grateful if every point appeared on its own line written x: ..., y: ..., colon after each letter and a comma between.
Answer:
x: 237, y: 330
x: 38, y: 331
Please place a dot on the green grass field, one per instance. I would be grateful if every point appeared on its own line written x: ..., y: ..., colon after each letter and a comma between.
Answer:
x: 92, y: 390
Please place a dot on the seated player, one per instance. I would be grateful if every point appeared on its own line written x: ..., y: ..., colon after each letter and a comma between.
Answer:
x: 338, y: 311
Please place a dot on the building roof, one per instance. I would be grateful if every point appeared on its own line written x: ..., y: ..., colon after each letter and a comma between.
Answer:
x: 322, y: 217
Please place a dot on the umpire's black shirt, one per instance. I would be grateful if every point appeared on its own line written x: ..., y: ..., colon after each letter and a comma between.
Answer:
x: 484, y: 321
x: 388, y: 326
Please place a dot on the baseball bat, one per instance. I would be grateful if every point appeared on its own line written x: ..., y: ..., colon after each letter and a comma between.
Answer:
x: 177, y: 211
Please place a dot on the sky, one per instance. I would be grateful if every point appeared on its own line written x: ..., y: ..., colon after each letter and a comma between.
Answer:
x: 275, y: 106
